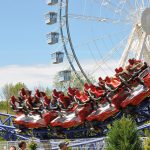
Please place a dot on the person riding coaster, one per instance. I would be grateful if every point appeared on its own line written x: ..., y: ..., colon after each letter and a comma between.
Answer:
x: 105, y: 108
x: 96, y: 93
x: 135, y: 67
x: 129, y: 75
x: 14, y: 103
x: 140, y: 92
x: 17, y: 105
x: 71, y: 92
x: 66, y: 103
x: 33, y: 106
x: 22, y: 93
x: 46, y: 102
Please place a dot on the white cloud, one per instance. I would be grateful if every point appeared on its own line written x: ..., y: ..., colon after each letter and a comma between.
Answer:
x: 43, y: 75
x: 30, y: 75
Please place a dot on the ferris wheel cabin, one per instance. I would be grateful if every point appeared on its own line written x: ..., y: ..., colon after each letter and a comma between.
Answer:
x: 51, y: 18
x: 64, y: 76
x: 57, y: 57
x: 52, y: 38
x: 51, y: 2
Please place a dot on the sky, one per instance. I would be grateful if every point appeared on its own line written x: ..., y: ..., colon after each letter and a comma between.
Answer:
x: 25, y: 54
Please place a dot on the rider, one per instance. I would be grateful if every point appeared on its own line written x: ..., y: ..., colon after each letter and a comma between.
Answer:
x: 22, y: 93
x: 47, y: 102
x: 13, y: 102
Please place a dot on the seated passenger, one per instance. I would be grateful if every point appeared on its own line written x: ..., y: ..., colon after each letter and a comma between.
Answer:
x: 14, y: 102
x: 39, y: 95
x: 47, y: 102
x: 22, y: 93
x: 136, y: 66
x: 56, y: 93
x: 29, y: 103
x: 64, y: 101
x: 54, y: 104
x: 101, y: 83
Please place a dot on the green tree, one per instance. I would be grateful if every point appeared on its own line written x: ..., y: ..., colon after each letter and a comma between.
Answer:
x: 123, y: 135
x: 9, y: 89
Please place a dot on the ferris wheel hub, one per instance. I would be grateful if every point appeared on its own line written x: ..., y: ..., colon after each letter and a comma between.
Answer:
x: 145, y: 20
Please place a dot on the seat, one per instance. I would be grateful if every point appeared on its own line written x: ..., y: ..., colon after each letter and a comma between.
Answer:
x: 82, y: 97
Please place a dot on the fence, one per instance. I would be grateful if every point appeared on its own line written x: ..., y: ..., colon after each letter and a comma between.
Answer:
x: 80, y: 144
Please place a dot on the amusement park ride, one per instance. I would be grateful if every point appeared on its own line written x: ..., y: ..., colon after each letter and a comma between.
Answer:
x: 87, y: 113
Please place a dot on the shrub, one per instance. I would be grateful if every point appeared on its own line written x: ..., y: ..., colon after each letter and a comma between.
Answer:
x: 32, y: 145
x: 123, y: 135
x: 147, y: 144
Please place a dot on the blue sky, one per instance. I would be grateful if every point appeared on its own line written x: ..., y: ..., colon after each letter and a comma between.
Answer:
x: 22, y: 32
x: 25, y: 54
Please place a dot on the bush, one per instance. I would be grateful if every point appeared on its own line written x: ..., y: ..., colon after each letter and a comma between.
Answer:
x: 123, y: 135
x: 147, y: 144
x: 32, y: 145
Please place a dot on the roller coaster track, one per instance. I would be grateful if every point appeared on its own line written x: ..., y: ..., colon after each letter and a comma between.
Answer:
x: 9, y: 132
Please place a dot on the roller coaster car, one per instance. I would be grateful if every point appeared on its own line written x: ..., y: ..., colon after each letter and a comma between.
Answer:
x: 73, y: 119
x: 105, y: 109
x: 35, y: 120
x: 140, y: 92
x: 103, y: 112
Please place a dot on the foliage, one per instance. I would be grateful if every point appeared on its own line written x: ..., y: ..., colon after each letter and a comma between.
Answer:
x: 123, y: 135
x: 32, y: 145
x: 74, y: 82
x: 48, y: 91
x: 147, y: 144
x: 9, y: 89
x: 1, y: 139
x: 4, y: 107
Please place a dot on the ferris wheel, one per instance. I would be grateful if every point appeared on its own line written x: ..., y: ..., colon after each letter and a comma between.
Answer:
x: 98, y: 35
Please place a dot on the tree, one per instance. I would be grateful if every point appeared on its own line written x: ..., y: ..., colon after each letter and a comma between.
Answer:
x: 9, y: 89
x: 123, y: 135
